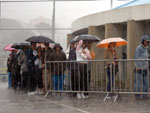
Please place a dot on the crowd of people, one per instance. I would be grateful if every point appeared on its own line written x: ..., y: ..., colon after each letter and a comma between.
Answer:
x: 27, y: 67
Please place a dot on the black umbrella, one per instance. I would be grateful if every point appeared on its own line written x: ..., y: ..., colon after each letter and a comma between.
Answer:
x: 86, y: 37
x: 74, y: 40
x: 20, y: 45
x: 40, y: 39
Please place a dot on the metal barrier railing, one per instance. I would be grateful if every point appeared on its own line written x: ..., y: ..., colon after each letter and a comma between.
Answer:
x: 3, y: 65
x: 97, y: 76
x: 3, y: 69
x: 132, y: 80
x: 74, y: 76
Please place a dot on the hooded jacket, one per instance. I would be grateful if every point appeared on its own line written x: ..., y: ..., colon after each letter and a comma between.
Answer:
x: 59, y: 67
x: 141, y: 52
x: 46, y: 54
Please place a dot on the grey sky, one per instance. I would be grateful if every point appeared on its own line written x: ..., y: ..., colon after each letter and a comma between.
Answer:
x: 66, y: 11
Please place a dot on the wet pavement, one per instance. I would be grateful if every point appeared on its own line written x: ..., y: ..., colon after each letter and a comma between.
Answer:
x: 18, y: 102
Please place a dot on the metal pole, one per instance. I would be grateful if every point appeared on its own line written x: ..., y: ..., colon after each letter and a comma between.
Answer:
x: 0, y: 14
x: 111, y: 4
x: 53, y: 21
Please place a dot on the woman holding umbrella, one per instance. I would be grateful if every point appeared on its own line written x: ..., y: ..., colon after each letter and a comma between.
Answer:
x: 111, y: 54
x: 82, y: 55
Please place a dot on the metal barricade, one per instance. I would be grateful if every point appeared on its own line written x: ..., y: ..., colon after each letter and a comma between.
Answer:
x: 97, y: 76
x: 76, y: 76
x: 131, y: 79
x: 3, y: 69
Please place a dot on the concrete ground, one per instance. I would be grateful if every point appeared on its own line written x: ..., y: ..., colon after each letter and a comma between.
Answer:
x: 18, y: 102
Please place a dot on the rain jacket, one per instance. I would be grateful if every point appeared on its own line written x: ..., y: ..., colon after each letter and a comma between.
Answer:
x: 72, y: 57
x: 58, y: 68
x: 22, y: 61
x: 31, y: 57
x: 141, y: 52
x: 80, y: 55
x: 46, y: 54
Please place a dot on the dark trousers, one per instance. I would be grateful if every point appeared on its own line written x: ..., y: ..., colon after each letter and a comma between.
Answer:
x: 73, y: 80
x: 82, y: 77
x: 16, y: 78
x: 32, y: 80
x: 24, y: 80
x: 39, y: 81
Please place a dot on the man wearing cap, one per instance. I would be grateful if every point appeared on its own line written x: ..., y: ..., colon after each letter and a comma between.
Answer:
x: 141, y: 67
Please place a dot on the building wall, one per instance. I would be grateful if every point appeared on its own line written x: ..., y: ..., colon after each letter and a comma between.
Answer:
x: 125, y: 23
x: 137, y: 13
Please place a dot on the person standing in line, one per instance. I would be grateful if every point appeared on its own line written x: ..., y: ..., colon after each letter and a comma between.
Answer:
x: 82, y: 55
x: 38, y: 67
x: 22, y: 61
x: 141, y: 68
x: 46, y: 56
x: 92, y: 54
x: 31, y: 57
x: 72, y: 66
x: 16, y: 77
x: 111, y: 54
x: 58, y: 69
x: 9, y: 68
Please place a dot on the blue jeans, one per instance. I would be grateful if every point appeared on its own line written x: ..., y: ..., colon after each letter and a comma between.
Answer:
x: 141, y: 79
x: 58, y: 82
x: 9, y: 79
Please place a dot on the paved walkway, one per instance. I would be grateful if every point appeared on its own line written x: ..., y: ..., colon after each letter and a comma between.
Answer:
x: 17, y: 102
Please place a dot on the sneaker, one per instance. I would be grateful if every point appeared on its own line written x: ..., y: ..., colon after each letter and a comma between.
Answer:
x: 40, y: 92
x: 86, y: 96
x: 34, y: 93
x: 82, y: 95
x: 31, y: 93
x: 79, y: 96
x: 53, y: 94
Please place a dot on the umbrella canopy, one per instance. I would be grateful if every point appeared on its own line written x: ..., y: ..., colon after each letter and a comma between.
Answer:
x: 20, y: 45
x: 40, y: 39
x: 104, y: 43
x: 9, y: 48
x: 74, y: 40
x: 86, y: 37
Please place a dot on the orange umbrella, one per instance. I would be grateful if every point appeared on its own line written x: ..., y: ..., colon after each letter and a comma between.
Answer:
x: 104, y: 43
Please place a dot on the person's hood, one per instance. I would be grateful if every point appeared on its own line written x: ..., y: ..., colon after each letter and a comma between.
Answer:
x: 57, y: 45
x: 145, y: 38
